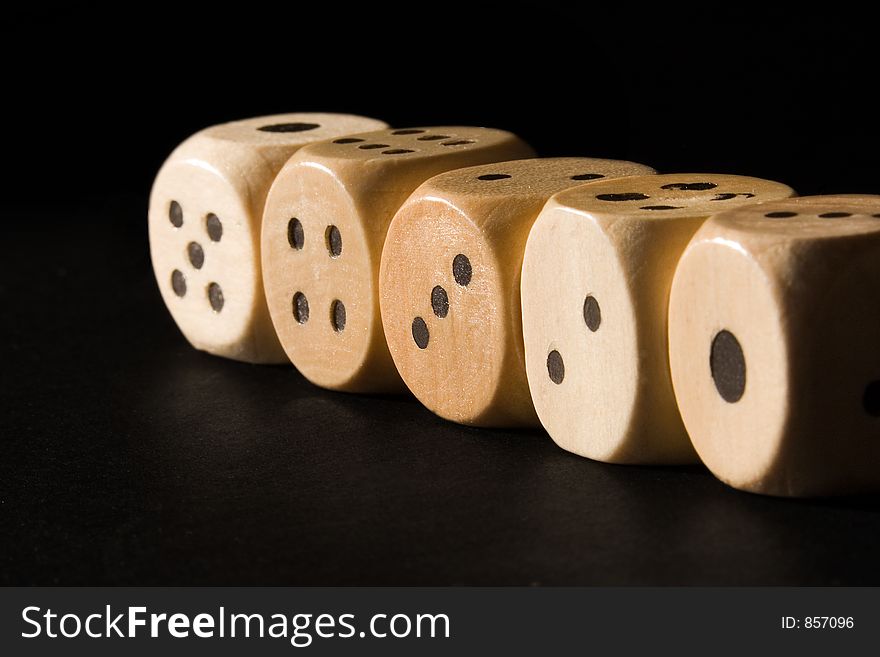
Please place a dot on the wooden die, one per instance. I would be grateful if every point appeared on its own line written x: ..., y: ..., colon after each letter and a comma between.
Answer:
x: 774, y: 321
x: 206, y: 207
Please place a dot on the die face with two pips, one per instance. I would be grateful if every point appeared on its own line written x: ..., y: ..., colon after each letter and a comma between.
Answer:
x: 449, y: 284
x: 204, y: 225
x: 596, y: 276
x: 324, y: 227
x: 774, y: 323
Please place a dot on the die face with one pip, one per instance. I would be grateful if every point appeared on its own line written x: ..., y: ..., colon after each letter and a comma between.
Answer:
x: 450, y: 278
x: 205, y: 211
x: 774, y: 321
x: 596, y: 276
x: 324, y: 226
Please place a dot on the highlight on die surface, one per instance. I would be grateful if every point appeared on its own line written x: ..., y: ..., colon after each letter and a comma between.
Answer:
x: 324, y: 227
x: 205, y: 212
x: 596, y: 275
x: 774, y: 320
x: 449, y: 284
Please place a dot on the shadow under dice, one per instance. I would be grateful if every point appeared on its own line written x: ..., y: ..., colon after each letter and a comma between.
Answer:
x: 773, y: 340
x: 324, y: 227
x: 450, y: 284
x: 596, y: 275
x: 204, y: 223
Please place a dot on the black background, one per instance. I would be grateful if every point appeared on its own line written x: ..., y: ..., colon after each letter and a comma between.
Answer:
x: 129, y: 458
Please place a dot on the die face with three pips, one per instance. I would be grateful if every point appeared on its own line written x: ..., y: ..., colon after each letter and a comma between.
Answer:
x: 204, y: 224
x: 596, y: 276
x: 324, y: 227
x: 449, y: 284
x: 774, y: 323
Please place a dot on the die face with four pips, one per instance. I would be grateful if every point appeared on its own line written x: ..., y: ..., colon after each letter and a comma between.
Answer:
x: 774, y: 321
x: 449, y: 284
x: 324, y: 227
x: 204, y: 224
x: 596, y: 276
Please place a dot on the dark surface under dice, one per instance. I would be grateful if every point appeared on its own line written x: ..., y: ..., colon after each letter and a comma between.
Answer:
x: 130, y: 458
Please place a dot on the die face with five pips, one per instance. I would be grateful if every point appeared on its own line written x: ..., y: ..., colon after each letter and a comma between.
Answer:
x: 324, y: 227
x: 774, y: 321
x: 204, y: 225
x: 596, y: 276
x: 449, y: 284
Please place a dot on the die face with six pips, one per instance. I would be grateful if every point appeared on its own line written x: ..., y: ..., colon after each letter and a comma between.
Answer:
x: 596, y: 276
x: 204, y: 223
x: 449, y: 284
x: 324, y: 229
x: 774, y: 317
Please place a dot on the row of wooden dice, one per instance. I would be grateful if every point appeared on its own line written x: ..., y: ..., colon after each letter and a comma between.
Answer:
x: 640, y: 318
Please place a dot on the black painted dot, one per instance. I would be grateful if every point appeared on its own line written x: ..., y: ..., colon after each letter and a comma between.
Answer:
x: 334, y: 241
x: 780, y: 215
x: 337, y: 315
x: 300, y: 307
x: 835, y: 215
x: 871, y: 399
x: 588, y: 176
x: 289, y: 127
x: 592, y: 313
x: 295, y: 235
x: 215, y: 297
x: 347, y: 140
x: 196, y: 254
x: 728, y: 366
x: 726, y: 196
x: 367, y: 147
x: 457, y: 142
x: 397, y: 151
x: 432, y: 137
x: 214, y: 226
x: 555, y: 367
x: 440, y: 302
x: 420, y: 333
x: 178, y: 282
x: 660, y: 207
x: 408, y: 131
x: 876, y: 216
x: 629, y: 196
x: 461, y: 270
x: 175, y: 214
x: 493, y: 176
x: 691, y: 187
